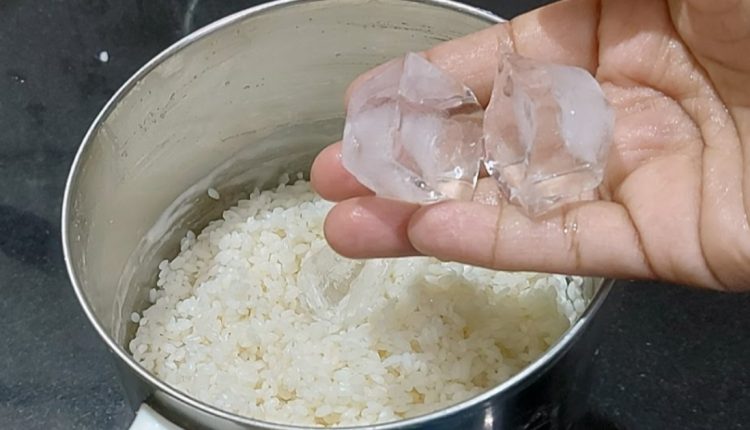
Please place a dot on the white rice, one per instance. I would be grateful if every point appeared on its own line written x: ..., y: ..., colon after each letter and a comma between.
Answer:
x: 213, y: 193
x: 227, y: 324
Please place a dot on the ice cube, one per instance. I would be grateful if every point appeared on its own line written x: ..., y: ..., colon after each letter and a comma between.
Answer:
x: 547, y: 133
x: 338, y: 289
x: 325, y: 279
x: 413, y: 133
x: 366, y: 292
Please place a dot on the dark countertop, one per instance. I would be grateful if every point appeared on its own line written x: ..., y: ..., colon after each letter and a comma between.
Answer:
x: 672, y: 358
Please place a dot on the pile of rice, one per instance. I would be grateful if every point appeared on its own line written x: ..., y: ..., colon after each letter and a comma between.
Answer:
x: 228, y: 324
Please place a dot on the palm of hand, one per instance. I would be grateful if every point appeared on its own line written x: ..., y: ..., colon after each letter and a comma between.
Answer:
x: 677, y: 165
x: 673, y: 204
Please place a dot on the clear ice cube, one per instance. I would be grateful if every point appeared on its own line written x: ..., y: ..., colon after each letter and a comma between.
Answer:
x: 339, y: 289
x: 413, y: 133
x: 547, y: 133
x: 325, y: 278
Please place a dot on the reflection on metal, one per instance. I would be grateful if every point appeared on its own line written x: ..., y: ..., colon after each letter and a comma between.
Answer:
x: 187, y: 20
x: 489, y: 420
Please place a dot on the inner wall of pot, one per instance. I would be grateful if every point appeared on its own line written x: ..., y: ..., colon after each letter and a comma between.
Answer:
x: 256, y: 96
x: 290, y: 149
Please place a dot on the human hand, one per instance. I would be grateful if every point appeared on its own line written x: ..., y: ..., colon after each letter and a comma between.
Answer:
x: 675, y: 201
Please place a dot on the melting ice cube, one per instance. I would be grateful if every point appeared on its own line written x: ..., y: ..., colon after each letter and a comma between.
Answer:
x: 325, y: 278
x: 413, y: 133
x: 547, y: 133
x: 338, y: 289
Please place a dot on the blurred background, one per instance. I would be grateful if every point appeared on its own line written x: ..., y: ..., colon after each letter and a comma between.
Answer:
x: 672, y: 358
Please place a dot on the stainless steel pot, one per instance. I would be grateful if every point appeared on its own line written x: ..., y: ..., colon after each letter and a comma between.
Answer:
x: 232, y: 106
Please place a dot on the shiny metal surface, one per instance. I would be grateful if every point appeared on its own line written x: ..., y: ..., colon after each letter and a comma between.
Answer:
x: 232, y: 106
